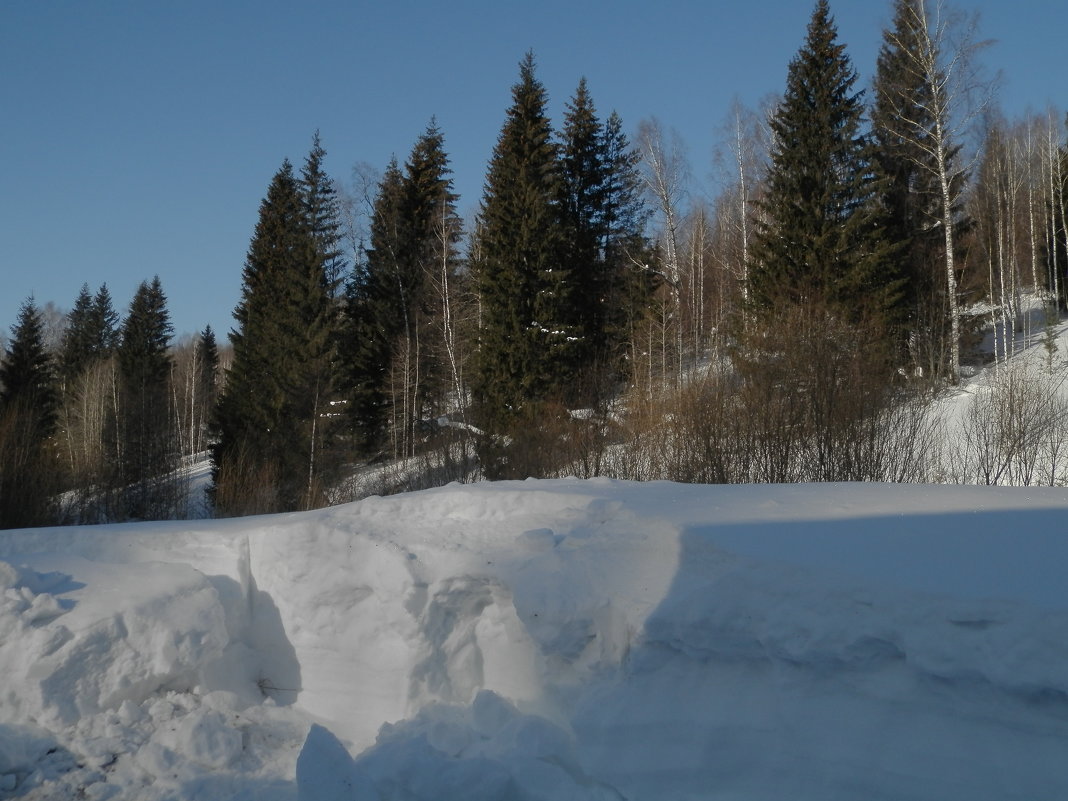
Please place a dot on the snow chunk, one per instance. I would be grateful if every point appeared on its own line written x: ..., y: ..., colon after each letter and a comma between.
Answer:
x: 114, y: 634
x: 482, y: 752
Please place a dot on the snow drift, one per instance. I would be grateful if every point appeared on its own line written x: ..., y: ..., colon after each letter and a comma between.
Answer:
x: 548, y: 640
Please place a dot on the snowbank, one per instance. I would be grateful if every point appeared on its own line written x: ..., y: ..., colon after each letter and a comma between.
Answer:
x: 548, y: 640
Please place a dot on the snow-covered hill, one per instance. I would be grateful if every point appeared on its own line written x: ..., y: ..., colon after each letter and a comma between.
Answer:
x: 549, y: 640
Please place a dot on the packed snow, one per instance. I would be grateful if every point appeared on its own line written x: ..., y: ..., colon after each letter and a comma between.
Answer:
x: 548, y: 640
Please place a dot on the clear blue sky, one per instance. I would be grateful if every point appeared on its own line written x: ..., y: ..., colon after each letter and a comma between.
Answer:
x: 139, y: 137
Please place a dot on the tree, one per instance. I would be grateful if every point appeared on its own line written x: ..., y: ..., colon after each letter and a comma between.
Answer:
x: 269, y: 424
x: 934, y: 51
x: 520, y: 280
x: 909, y: 188
x: 76, y: 349
x: 91, y: 333
x: 149, y: 448
x: 377, y: 305
x: 434, y: 231
x: 665, y: 170
x: 402, y: 341
x: 625, y: 248
x: 820, y: 237
x: 584, y: 183
x: 28, y: 404
x: 322, y: 209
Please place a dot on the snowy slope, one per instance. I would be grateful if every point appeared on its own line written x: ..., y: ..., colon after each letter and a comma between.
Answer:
x: 549, y: 640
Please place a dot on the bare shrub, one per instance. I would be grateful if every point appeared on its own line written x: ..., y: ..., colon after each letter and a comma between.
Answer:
x: 810, y: 399
x: 1013, y: 431
x: 245, y: 485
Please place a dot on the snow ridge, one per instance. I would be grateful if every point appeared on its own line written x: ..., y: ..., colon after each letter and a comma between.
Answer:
x: 548, y: 640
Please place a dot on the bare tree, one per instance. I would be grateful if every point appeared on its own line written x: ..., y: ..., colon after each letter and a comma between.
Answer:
x: 665, y: 172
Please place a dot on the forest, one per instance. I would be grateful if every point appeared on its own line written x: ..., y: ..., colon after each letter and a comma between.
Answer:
x: 873, y: 248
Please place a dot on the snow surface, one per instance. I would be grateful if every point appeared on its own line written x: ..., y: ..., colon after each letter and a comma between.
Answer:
x: 548, y: 640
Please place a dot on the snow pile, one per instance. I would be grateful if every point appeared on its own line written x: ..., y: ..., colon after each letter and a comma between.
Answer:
x: 548, y: 640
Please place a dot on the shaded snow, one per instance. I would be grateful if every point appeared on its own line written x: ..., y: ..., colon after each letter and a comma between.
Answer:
x: 548, y: 640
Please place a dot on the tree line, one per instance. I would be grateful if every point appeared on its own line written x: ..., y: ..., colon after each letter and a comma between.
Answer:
x: 597, y: 318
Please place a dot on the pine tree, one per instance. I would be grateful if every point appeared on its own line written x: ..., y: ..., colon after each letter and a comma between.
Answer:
x: 270, y: 442
x: 519, y: 277
x: 149, y: 447
x: 819, y: 239
x: 29, y: 472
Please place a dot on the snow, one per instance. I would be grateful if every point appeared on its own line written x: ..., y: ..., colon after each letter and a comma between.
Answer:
x: 548, y: 640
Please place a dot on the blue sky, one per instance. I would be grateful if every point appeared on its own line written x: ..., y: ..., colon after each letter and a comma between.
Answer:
x: 139, y: 137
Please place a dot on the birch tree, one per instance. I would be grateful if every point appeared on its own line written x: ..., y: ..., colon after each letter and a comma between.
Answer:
x: 938, y: 48
x: 665, y: 172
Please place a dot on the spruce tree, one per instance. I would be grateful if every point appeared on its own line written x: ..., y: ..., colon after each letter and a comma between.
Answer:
x: 584, y: 173
x: 91, y: 333
x: 148, y: 437
x: 376, y: 308
x: 208, y: 359
x: 629, y: 291
x: 205, y: 381
x: 819, y: 239
x: 270, y: 443
x: 29, y: 471
x: 27, y: 374
x: 398, y: 328
x: 104, y: 323
x: 76, y: 350
x: 520, y: 280
x: 322, y: 208
x: 434, y: 231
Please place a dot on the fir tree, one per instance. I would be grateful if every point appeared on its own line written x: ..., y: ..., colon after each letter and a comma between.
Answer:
x: 519, y: 277
x: 819, y: 238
